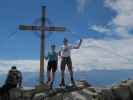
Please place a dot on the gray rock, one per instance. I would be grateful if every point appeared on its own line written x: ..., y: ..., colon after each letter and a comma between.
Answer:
x: 15, y: 94
x: 121, y: 92
x: 82, y: 91
x: 106, y: 94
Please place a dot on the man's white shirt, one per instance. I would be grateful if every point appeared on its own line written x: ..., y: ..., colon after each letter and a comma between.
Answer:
x: 66, y: 50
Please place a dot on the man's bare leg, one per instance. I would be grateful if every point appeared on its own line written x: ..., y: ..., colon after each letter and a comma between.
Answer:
x: 62, y: 73
x: 71, y: 76
x: 62, y: 79
x: 71, y: 73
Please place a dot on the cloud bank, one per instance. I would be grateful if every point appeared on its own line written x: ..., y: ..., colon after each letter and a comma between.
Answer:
x: 94, y: 54
x: 104, y: 54
x: 23, y: 65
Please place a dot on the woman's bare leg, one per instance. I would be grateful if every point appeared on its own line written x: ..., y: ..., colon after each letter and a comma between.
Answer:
x: 48, y: 77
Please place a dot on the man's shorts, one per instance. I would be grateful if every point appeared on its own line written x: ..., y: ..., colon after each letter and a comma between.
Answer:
x: 66, y: 61
x: 52, y: 65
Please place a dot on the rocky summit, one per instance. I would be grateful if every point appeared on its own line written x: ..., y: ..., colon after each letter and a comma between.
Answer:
x: 82, y: 91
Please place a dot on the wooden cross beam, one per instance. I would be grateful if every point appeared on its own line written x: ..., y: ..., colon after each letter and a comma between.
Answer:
x: 38, y: 28
x: 42, y: 28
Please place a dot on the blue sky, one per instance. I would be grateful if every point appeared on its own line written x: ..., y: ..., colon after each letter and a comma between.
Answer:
x: 88, y: 18
x: 106, y: 27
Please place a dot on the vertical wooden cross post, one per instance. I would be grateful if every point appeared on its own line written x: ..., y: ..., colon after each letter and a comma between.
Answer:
x: 42, y: 28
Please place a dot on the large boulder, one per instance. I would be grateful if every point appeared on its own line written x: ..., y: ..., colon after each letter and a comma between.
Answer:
x: 106, y: 94
x: 121, y: 92
x: 21, y: 93
x: 128, y: 83
x: 15, y: 94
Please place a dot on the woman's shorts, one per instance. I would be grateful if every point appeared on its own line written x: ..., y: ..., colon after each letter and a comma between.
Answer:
x: 52, y: 65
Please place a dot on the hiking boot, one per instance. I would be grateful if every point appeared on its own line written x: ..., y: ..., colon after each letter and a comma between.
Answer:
x: 73, y: 82
x: 62, y: 85
x: 47, y: 82
x: 51, y: 85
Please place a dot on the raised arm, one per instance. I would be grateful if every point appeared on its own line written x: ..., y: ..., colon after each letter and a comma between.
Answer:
x: 78, y: 45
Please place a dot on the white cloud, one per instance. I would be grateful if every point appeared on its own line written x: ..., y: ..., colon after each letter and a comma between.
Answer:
x: 81, y: 5
x: 24, y: 65
x: 94, y: 54
x: 123, y: 20
x: 122, y: 23
x: 104, y: 54
x: 101, y: 29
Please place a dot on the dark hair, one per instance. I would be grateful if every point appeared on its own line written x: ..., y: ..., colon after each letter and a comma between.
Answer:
x: 65, y: 40
x: 13, y: 67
